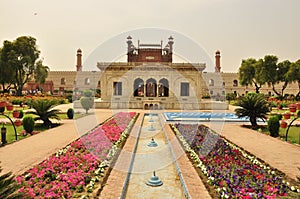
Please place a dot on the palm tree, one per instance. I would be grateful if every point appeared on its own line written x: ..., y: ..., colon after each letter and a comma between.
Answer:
x: 44, y: 111
x: 254, y: 106
x: 8, y: 186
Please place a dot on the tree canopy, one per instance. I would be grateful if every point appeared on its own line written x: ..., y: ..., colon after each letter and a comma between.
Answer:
x: 19, y: 62
x: 268, y: 70
x: 249, y: 73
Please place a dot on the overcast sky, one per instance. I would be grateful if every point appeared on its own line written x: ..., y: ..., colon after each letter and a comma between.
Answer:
x: 238, y: 28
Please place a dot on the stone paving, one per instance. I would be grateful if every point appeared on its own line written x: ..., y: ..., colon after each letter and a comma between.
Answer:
x: 20, y: 156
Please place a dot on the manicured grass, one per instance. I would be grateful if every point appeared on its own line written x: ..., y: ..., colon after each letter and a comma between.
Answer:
x: 10, y: 133
x: 293, y: 135
x: 62, y: 116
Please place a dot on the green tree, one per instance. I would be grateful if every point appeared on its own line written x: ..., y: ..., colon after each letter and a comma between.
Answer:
x: 254, y: 106
x: 282, y: 76
x: 41, y: 73
x: 293, y: 75
x: 44, y: 110
x: 274, y: 73
x: 7, y: 74
x: 20, y: 56
x: 87, y: 100
x: 8, y: 186
x: 249, y: 73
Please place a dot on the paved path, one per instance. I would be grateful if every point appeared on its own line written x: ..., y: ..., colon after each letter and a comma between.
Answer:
x: 22, y: 155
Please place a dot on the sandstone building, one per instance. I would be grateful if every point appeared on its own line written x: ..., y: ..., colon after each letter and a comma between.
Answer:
x: 150, y: 78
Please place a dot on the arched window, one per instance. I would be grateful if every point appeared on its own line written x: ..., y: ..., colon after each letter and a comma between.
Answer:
x: 87, y: 81
x: 63, y: 81
x: 211, y: 82
x: 151, y: 87
x: 138, y: 88
x: 235, y: 82
x: 163, y: 88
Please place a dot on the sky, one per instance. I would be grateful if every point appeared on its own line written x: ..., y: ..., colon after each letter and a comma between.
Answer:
x: 240, y: 29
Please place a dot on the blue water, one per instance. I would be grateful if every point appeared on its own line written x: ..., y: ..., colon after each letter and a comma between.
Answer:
x: 203, y: 116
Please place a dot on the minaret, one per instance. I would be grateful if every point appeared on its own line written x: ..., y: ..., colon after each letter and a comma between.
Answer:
x: 218, y: 63
x: 170, y: 43
x: 79, y: 60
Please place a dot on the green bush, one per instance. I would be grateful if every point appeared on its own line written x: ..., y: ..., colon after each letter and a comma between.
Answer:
x: 273, y: 126
x: 87, y: 103
x: 70, y: 113
x: 21, y: 114
x: 69, y: 97
x: 88, y: 93
x: 28, y: 124
x: 2, y: 109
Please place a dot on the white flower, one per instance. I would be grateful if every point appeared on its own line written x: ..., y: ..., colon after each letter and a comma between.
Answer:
x: 293, y: 188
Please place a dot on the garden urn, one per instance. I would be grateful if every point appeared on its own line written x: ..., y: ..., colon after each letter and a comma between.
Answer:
x: 2, y: 104
x: 16, y: 113
x: 287, y: 115
x: 18, y: 122
x: 292, y: 108
x: 9, y: 107
x: 298, y: 106
x: 283, y: 124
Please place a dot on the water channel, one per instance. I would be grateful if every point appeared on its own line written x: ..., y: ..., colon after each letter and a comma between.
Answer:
x: 148, y: 159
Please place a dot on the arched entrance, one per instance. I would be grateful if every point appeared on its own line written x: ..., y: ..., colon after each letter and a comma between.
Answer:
x: 151, y: 87
x: 163, y: 88
x: 138, y: 88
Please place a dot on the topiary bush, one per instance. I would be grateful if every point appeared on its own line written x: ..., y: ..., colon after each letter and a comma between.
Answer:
x: 28, y: 124
x: 88, y: 93
x: 273, y: 126
x: 87, y: 103
x: 70, y: 113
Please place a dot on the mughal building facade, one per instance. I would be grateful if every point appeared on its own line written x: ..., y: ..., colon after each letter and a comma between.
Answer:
x: 150, y: 79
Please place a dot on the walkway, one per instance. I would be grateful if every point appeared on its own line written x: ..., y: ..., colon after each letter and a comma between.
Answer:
x: 22, y: 155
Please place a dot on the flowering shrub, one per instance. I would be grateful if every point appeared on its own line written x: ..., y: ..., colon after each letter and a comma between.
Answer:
x: 233, y: 172
x: 78, y: 166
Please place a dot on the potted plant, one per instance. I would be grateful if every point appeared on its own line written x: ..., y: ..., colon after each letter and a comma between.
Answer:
x: 2, y: 104
x: 9, y: 107
x: 292, y: 108
x: 298, y: 106
x: 283, y: 124
x: 287, y: 115
x: 18, y: 122
x: 16, y: 113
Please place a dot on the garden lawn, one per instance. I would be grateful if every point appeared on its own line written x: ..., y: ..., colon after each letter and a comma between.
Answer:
x: 10, y: 133
x: 74, y: 170
x: 233, y: 172
x: 293, y: 135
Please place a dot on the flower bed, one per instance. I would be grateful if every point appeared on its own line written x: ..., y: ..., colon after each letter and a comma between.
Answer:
x: 77, y: 167
x: 233, y: 172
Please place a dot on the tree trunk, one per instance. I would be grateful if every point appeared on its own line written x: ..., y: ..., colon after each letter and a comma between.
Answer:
x: 275, y: 91
x: 253, y: 121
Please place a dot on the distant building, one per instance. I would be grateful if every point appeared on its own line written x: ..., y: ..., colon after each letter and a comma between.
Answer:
x: 150, y: 79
